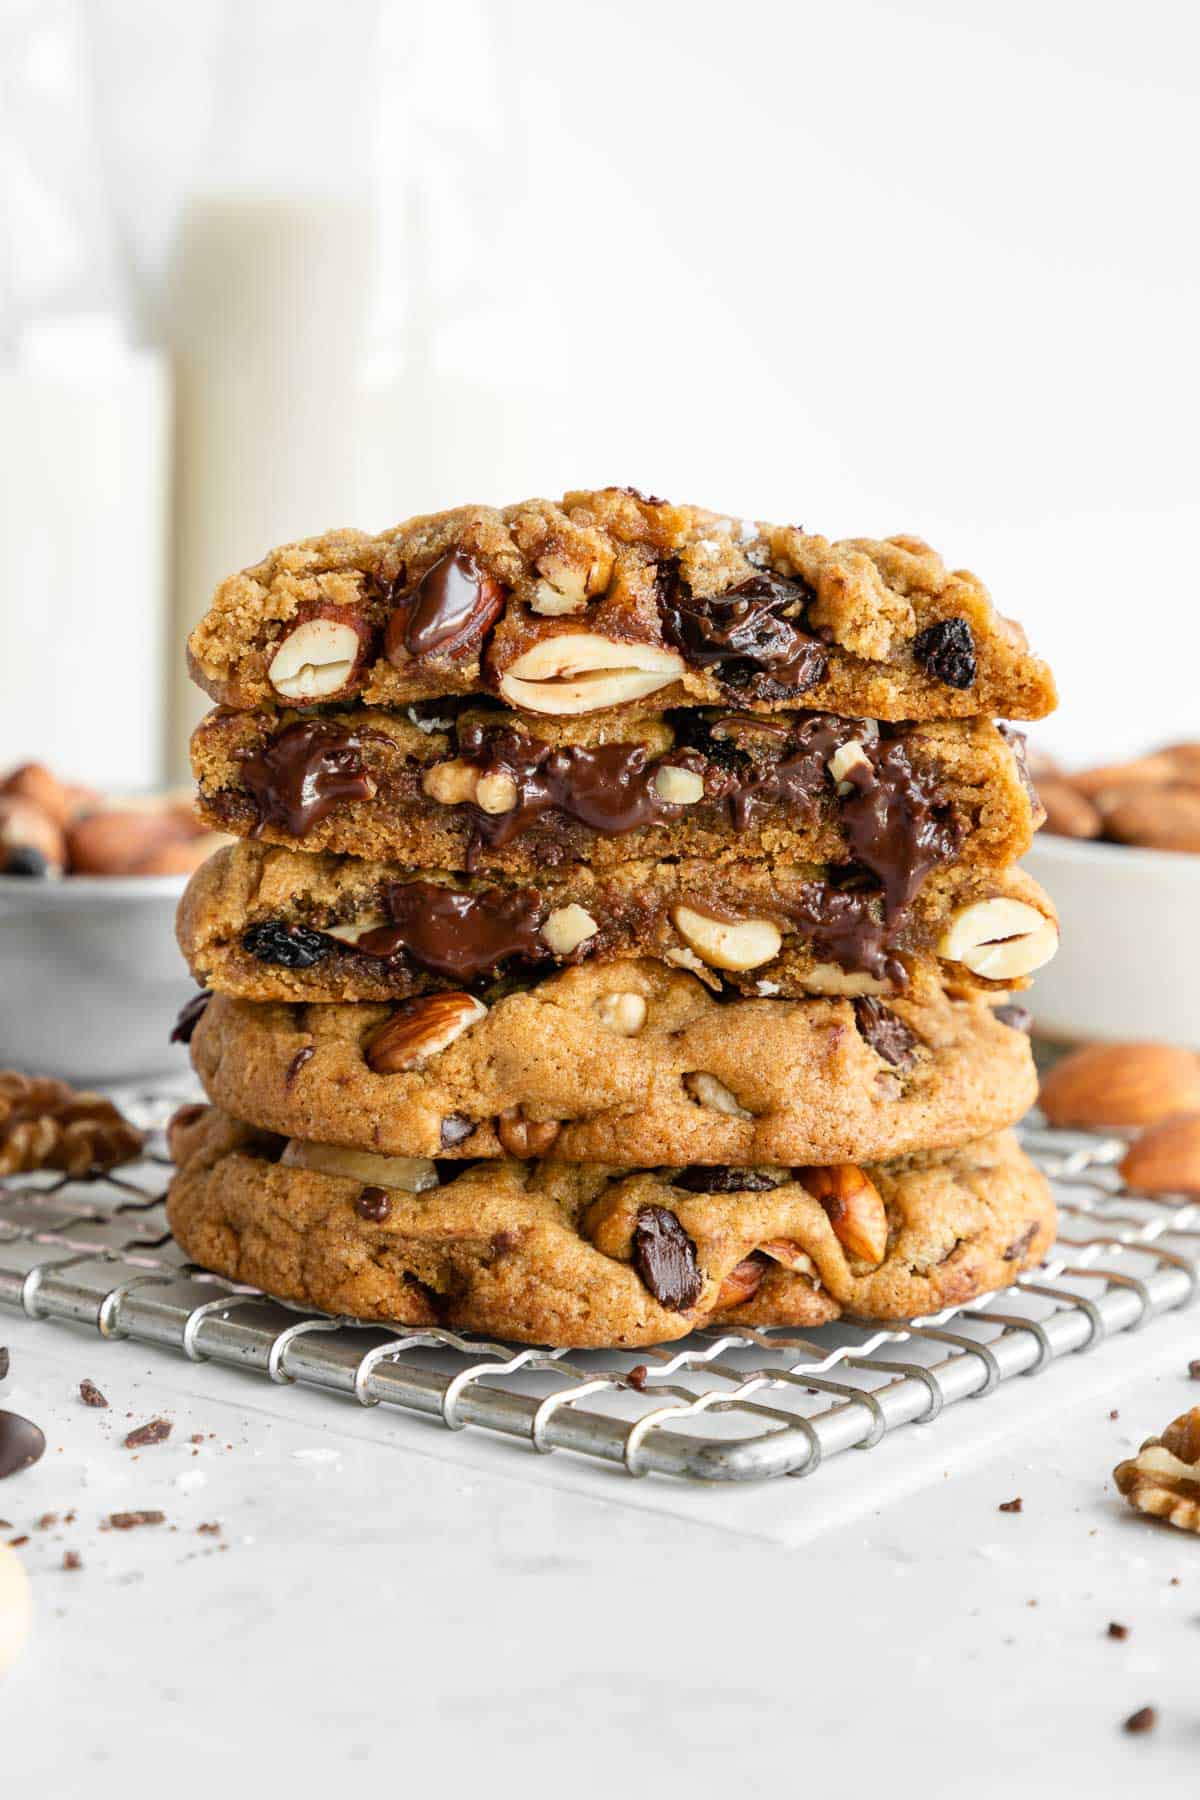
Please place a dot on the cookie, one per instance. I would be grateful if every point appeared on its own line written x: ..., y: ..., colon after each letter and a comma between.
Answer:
x: 585, y: 1256
x: 272, y: 924
x: 495, y: 793
x: 621, y: 1063
x: 608, y: 601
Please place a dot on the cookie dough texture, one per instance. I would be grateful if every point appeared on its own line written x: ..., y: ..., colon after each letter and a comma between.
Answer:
x: 699, y: 1081
x: 867, y: 603
x: 978, y: 772
x: 546, y: 1252
x: 632, y: 907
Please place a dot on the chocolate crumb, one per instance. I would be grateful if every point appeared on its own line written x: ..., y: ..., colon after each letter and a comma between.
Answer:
x: 1174, y: 1581
x: 90, y: 1394
x: 156, y: 1431
x: 638, y: 1377
x: 1144, y: 1719
x: 1017, y: 1505
x: 211, y: 1526
x: 72, y: 1559
x: 125, y: 1521
x: 1118, y: 1631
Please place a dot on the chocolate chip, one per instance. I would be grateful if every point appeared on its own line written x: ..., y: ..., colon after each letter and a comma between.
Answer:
x: 456, y: 1129
x: 947, y: 652
x: 885, y: 1031
x: 189, y: 1017
x: 305, y: 1054
x: 666, y: 1259
x: 126, y: 1521
x: 288, y: 946
x: 1017, y: 1505
x: 90, y: 1394
x: 156, y: 1431
x: 72, y: 1559
x: 22, y: 1443
x: 721, y: 1179
x: 1017, y: 1018
x: 447, y: 612
x: 1118, y: 1631
x: 23, y: 859
x: 1016, y: 1250
x: 1144, y: 1719
x: 374, y: 1203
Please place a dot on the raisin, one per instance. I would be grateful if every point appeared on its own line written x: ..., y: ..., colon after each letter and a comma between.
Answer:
x: 947, y: 652
x: 289, y: 946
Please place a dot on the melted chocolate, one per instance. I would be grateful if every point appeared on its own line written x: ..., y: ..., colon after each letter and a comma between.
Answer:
x: 22, y: 1443
x: 751, y: 634
x: 460, y: 936
x: 303, y: 772
x: 897, y: 826
x: 845, y: 926
x: 447, y: 612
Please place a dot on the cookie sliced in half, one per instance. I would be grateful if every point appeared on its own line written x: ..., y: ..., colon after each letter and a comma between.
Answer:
x: 580, y: 1255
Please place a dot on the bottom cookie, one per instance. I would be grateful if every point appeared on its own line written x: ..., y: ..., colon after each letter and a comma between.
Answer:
x: 578, y: 1255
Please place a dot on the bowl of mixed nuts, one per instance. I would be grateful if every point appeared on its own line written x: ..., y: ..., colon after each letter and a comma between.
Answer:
x: 92, y: 976
x: 1120, y: 852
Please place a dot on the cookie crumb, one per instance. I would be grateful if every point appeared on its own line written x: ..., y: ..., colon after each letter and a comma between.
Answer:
x: 211, y: 1526
x: 1144, y: 1719
x: 156, y: 1431
x: 1117, y: 1631
x: 90, y: 1394
x: 1017, y: 1505
x: 125, y: 1521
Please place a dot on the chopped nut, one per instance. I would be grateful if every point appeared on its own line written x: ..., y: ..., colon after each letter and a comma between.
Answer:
x: 420, y: 1029
x: 451, y: 783
x: 827, y: 978
x: 553, y: 603
x: 845, y: 761
x: 496, y: 793
x: 706, y: 1090
x: 524, y: 1138
x: 315, y: 659
x: 741, y: 1284
x: 678, y: 787
x: 413, y: 1174
x: 1120, y: 1632
x: 853, y: 1207
x: 350, y: 934
x: 581, y: 672
x: 566, y: 928
x: 126, y: 1521
x: 1163, y: 1479
x: 1011, y: 1506
x: 724, y: 944
x: 1000, y: 939
x: 44, y: 1124
x: 623, y: 1013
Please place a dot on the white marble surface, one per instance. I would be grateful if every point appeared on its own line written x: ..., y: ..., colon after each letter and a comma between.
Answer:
x: 390, y: 1603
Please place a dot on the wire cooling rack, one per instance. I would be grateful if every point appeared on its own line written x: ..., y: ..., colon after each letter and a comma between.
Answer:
x: 730, y: 1405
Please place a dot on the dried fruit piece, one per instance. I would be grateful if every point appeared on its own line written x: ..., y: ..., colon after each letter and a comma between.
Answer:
x: 999, y: 939
x: 947, y: 652
x: 582, y: 672
x: 853, y: 1207
x: 419, y: 1029
x: 1121, y: 1084
x: 734, y: 944
x: 286, y: 946
x: 886, y: 1032
x: 524, y: 1138
x: 665, y: 1258
x: 1163, y: 1479
x: 1166, y: 1158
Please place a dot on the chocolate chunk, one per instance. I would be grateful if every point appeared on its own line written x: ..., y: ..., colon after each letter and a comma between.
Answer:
x: 189, y: 1017
x: 885, y: 1031
x: 1017, y: 1018
x: 1120, y: 1632
x: 665, y: 1257
x: 947, y: 652
x: 456, y: 1129
x: 374, y: 1203
x: 4, y: 1362
x: 1144, y: 1719
x: 751, y: 634
x: 303, y: 772
x: 23, y: 859
x: 22, y: 1443
x: 1017, y: 1505
x: 898, y: 826
x: 721, y: 1179
x: 126, y: 1521
x: 447, y: 613
x: 156, y: 1431
x: 304, y: 1054
x: 288, y: 946
x: 1017, y: 1249
x: 455, y: 934
x: 90, y: 1394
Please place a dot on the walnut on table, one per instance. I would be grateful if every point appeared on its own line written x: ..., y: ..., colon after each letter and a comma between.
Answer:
x: 44, y: 1124
x: 1163, y: 1479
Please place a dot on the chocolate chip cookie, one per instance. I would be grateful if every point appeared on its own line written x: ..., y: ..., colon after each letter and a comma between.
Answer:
x: 610, y: 600
x: 486, y: 790
x: 582, y: 1255
x: 621, y: 1063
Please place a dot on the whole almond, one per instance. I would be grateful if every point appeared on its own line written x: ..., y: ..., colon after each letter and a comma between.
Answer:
x: 1166, y: 1159
x: 1122, y: 1084
x: 854, y: 1208
x: 419, y: 1029
x: 1068, y: 812
x: 1152, y: 817
x: 1137, y: 772
x: 120, y: 842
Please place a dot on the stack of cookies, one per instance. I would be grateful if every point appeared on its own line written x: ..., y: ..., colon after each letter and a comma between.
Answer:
x: 622, y: 930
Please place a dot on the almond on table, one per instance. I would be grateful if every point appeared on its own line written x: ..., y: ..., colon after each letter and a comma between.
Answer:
x: 1121, y: 1084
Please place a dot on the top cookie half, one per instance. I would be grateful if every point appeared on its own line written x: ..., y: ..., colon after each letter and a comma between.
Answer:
x: 610, y: 600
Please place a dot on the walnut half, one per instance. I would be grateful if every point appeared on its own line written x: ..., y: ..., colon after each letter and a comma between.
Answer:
x: 1163, y: 1479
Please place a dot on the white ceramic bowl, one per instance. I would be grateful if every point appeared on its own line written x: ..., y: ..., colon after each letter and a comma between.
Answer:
x: 1128, y: 965
x: 91, y: 978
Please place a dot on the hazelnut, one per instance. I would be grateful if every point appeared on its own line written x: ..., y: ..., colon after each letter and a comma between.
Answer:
x: 524, y: 1138
x: 566, y: 928
x: 582, y: 672
x: 678, y: 787
x: 420, y: 1029
x: 412, y: 1174
x: 853, y: 1207
x: 624, y: 1014
x: 999, y: 939
x: 706, y: 1090
x: 725, y: 944
x: 317, y: 658
x: 31, y: 842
